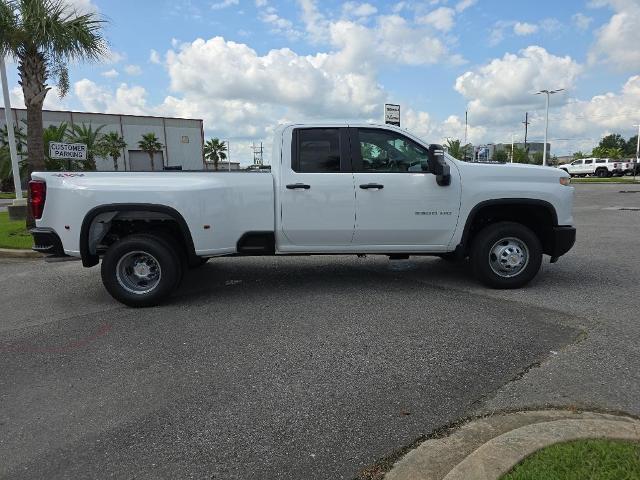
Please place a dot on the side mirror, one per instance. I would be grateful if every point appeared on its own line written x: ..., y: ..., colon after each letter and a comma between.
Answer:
x: 438, y: 166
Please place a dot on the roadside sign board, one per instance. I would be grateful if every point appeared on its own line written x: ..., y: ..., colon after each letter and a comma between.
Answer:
x: 392, y: 114
x: 67, y: 151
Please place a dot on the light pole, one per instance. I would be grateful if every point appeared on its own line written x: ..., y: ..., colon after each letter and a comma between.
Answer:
x: 228, y: 155
x: 546, y: 123
x: 637, y: 165
x: 10, y: 133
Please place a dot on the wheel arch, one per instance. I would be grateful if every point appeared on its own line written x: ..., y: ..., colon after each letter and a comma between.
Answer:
x: 509, y: 209
x: 89, y: 258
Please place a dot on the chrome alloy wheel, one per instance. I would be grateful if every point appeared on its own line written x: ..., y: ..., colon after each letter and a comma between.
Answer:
x: 508, y: 257
x: 138, y: 272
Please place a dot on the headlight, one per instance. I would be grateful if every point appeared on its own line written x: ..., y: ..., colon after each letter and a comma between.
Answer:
x: 565, y: 181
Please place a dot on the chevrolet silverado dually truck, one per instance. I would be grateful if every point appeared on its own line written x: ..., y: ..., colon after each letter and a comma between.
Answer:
x: 333, y: 190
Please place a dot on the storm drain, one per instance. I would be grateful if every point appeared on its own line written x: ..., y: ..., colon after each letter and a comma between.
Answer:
x: 629, y: 191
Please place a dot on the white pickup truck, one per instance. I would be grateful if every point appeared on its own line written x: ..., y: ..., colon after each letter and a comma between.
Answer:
x: 333, y: 190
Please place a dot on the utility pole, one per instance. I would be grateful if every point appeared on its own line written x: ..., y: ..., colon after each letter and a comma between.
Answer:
x: 526, y: 129
x: 15, y: 167
x: 228, y: 155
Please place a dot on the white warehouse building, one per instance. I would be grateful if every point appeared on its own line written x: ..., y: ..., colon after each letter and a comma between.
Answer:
x: 182, y: 138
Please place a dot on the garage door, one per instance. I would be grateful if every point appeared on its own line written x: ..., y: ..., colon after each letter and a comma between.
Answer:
x: 139, y: 161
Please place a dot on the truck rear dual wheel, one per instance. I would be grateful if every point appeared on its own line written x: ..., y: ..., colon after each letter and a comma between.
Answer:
x: 506, y: 255
x: 142, y: 270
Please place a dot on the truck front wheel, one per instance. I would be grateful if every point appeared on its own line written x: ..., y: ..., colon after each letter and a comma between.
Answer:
x: 506, y: 255
x: 141, y: 270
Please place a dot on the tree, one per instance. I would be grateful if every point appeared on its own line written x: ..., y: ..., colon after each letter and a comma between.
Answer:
x: 454, y: 148
x: 214, y: 151
x: 614, y: 140
x: 43, y: 36
x: 500, y: 156
x: 55, y: 134
x: 579, y: 155
x: 111, y: 145
x: 91, y: 138
x: 6, y: 168
x: 519, y: 155
x: 631, y: 146
x: 151, y: 145
x: 610, y: 152
x: 538, y: 157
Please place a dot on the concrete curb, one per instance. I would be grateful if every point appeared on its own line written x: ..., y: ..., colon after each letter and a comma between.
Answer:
x: 487, y: 448
x: 16, y: 253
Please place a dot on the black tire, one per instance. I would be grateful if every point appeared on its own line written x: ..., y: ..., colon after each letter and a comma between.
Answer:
x: 601, y: 173
x: 163, y: 257
x: 488, y: 238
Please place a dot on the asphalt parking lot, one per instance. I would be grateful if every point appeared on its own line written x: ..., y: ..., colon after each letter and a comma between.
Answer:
x: 307, y: 367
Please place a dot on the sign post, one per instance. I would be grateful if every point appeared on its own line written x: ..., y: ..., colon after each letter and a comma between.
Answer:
x: 392, y: 114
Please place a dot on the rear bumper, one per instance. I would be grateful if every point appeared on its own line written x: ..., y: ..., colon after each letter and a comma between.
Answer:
x: 562, y: 241
x: 46, y: 240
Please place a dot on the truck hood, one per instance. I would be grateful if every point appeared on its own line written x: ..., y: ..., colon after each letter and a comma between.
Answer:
x: 510, y: 171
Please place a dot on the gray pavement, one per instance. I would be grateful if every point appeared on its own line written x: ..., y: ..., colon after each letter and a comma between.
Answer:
x: 305, y: 367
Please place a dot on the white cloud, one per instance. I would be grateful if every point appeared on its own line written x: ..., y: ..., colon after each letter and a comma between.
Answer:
x: 82, y: 6
x: 154, y: 57
x: 499, y: 29
x: 133, y: 70
x: 616, y: 41
x: 494, y: 89
x: 315, y: 85
x: 95, y: 98
x: 421, y: 124
x: 581, y: 21
x: 598, y: 116
x: 524, y: 28
x: 112, y: 57
x: 356, y: 9
x: 224, y: 4
x: 113, y: 73
x: 441, y: 18
x: 464, y: 4
x: 51, y: 102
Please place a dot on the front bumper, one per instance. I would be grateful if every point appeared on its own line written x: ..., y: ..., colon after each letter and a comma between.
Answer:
x: 46, y: 240
x: 562, y: 240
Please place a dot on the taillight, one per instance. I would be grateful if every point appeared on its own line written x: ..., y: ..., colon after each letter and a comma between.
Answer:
x: 37, y: 197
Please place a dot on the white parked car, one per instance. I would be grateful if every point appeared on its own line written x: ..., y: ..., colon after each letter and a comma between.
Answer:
x: 600, y: 167
x: 332, y: 190
x: 627, y: 167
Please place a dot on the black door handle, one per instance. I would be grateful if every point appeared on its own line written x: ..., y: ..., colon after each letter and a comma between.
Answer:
x: 372, y: 185
x: 293, y: 186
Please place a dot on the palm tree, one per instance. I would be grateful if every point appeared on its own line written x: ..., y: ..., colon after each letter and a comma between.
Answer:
x: 111, y: 144
x: 214, y: 151
x: 454, y: 148
x: 43, y: 36
x: 91, y: 138
x: 151, y: 145
x: 54, y: 134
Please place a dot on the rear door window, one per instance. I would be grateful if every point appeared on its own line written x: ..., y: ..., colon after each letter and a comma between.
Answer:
x: 318, y: 150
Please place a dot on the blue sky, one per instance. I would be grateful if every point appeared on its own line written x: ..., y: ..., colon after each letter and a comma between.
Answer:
x: 245, y: 65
